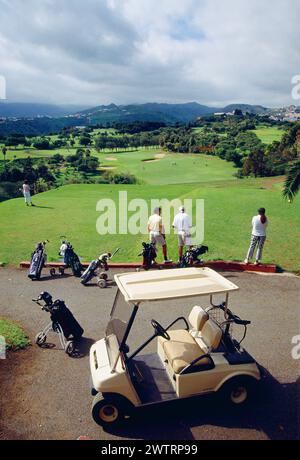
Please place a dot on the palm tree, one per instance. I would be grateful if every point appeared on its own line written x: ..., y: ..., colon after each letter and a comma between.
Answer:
x: 292, y: 182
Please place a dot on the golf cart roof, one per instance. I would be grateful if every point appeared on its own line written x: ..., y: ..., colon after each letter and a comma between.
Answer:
x: 172, y: 284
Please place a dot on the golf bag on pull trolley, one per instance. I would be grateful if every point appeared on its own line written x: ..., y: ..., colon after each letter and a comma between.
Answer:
x: 149, y: 255
x: 62, y: 322
x: 71, y: 259
x: 191, y: 257
x: 94, y: 268
x: 38, y: 261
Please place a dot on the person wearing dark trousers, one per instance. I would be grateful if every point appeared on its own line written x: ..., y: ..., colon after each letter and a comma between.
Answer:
x: 258, y: 237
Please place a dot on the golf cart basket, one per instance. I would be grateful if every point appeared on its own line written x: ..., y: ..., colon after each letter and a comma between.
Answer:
x: 234, y: 328
x: 149, y: 255
x: 191, y: 256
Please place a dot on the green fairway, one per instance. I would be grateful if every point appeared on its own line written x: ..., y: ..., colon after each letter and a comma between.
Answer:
x: 156, y: 167
x: 269, y: 134
x: 229, y: 207
x: 149, y: 166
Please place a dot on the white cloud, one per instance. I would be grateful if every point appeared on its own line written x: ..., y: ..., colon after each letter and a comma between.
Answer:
x: 101, y: 51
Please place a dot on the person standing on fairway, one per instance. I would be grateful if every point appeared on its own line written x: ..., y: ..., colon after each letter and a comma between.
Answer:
x: 182, y: 223
x: 258, y: 238
x: 26, y: 193
x: 157, y: 232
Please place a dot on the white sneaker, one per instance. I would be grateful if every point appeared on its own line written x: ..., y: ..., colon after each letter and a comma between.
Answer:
x: 257, y: 262
x: 246, y: 261
x: 168, y: 261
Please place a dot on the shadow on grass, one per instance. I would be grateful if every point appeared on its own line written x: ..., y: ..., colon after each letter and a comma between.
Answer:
x: 41, y: 207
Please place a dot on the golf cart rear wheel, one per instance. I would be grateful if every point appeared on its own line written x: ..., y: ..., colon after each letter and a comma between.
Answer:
x: 108, y: 411
x: 238, y: 391
x: 40, y: 339
x: 70, y: 347
x: 102, y: 284
x: 52, y: 271
x: 103, y: 276
x: 61, y: 271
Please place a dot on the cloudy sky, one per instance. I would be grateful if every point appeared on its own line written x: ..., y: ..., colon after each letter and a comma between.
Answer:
x: 94, y: 52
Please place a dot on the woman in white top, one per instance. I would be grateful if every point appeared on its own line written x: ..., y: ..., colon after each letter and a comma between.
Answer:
x: 258, y: 237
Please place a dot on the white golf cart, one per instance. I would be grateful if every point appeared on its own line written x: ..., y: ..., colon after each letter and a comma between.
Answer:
x: 200, y: 358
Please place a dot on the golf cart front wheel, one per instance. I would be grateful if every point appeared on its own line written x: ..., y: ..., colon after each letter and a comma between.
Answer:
x: 70, y: 347
x: 108, y: 411
x: 52, y: 272
x: 103, y: 276
x: 40, y: 339
x: 237, y: 392
x: 61, y: 271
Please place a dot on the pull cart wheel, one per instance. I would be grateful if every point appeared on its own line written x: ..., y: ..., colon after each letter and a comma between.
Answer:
x: 61, y: 271
x: 52, y: 271
x: 103, y: 276
x: 102, y: 284
x: 70, y: 347
x: 40, y: 339
x: 109, y: 411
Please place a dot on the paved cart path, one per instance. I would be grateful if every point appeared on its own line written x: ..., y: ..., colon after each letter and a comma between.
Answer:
x: 45, y: 394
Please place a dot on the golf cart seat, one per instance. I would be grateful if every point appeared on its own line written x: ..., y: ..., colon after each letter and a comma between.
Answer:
x: 186, y: 346
x: 197, y: 320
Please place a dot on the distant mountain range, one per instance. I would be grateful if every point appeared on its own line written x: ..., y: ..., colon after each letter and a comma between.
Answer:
x: 38, y: 119
x: 168, y: 113
x: 32, y: 110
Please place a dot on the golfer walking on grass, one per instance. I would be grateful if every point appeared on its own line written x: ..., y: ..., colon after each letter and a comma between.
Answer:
x: 157, y: 232
x: 258, y: 238
x: 182, y: 223
x: 26, y: 193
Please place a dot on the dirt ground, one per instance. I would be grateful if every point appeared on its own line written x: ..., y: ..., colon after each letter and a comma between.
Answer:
x: 45, y: 394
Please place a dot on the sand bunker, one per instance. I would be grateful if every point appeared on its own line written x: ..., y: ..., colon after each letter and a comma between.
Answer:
x: 157, y: 157
x: 110, y: 159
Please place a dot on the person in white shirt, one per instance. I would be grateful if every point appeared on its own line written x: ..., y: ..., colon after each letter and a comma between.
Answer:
x: 26, y: 193
x: 157, y: 232
x: 258, y: 237
x: 183, y: 224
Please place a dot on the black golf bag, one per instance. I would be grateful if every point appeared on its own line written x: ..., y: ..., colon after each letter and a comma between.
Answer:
x: 60, y: 314
x: 149, y: 255
x: 71, y: 259
x: 38, y: 260
x: 61, y: 317
x: 191, y: 257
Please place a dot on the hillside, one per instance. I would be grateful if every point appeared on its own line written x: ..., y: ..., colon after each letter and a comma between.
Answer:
x: 43, y: 119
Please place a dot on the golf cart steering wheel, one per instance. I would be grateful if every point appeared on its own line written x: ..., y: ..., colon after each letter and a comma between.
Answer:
x: 160, y: 330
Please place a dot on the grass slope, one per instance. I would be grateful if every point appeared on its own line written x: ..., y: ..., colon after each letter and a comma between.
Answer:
x: 269, y: 134
x: 229, y: 207
x: 15, y: 337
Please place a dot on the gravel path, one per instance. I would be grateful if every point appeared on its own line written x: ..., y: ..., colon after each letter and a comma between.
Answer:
x: 45, y: 394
